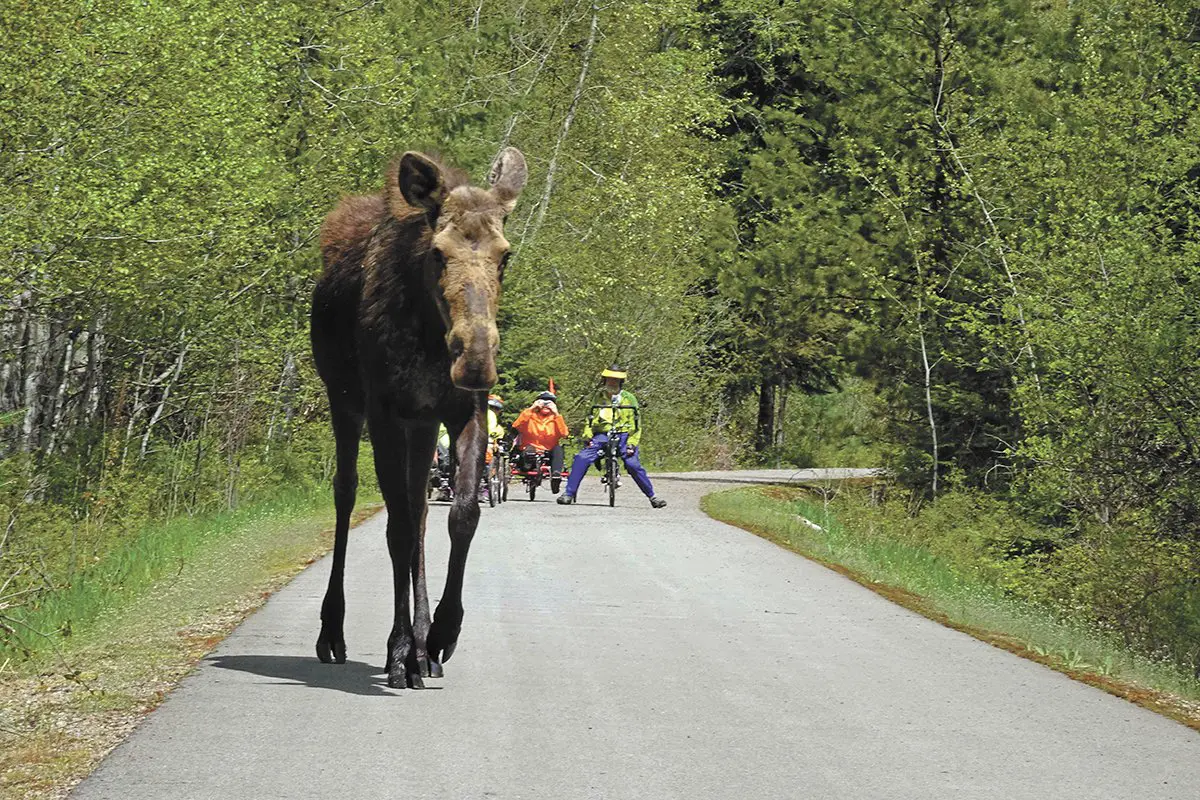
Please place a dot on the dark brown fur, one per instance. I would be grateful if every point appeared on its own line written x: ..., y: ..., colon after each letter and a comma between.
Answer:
x: 404, y: 336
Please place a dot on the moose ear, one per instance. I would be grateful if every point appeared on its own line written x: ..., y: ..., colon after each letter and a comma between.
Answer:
x: 420, y: 181
x: 507, y: 177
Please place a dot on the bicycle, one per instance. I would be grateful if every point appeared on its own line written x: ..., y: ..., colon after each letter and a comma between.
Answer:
x: 497, y: 474
x: 504, y: 471
x: 441, y: 480
x: 532, y: 467
x: 612, y: 455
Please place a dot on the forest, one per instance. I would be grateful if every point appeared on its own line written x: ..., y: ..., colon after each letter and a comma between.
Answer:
x: 954, y: 239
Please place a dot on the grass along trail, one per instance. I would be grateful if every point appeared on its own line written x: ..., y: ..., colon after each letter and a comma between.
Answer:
x: 66, y: 707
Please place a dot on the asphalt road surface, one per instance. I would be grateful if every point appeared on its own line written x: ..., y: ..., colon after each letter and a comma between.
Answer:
x: 637, y: 653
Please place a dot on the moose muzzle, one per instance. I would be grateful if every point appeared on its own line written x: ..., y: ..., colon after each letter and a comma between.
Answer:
x: 473, y: 348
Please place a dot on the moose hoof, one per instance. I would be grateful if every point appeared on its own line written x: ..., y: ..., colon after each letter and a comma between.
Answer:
x: 331, y: 651
x: 440, y: 653
x: 405, y: 679
x: 429, y: 668
x: 443, y: 635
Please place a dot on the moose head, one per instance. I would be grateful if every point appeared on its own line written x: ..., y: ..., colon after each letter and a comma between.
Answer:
x: 467, y: 254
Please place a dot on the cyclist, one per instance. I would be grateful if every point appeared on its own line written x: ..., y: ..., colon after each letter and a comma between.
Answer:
x: 495, y: 406
x: 542, y: 429
x: 495, y: 433
x: 442, y: 459
x: 606, y: 422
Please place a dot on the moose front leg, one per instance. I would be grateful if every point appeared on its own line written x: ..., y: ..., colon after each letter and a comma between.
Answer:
x: 464, y: 518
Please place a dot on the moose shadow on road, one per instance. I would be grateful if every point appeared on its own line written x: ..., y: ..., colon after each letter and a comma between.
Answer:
x: 353, y: 677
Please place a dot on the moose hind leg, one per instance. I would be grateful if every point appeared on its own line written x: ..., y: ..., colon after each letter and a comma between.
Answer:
x: 331, y: 642
x: 422, y: 443
x: 391, y: 444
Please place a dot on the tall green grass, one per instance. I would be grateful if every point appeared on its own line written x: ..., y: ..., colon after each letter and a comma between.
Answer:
x: 155, y: 554
x: 968, y: 596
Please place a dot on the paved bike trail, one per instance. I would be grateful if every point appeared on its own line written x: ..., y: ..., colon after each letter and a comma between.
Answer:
x: 637, y: 653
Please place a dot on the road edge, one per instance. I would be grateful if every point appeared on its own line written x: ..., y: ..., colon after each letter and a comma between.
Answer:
x: 1158, y: 701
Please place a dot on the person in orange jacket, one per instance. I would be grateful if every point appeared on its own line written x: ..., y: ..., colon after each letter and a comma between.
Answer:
x: 542, y: 428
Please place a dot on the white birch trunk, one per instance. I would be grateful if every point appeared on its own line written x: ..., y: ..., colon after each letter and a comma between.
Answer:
x: 93, y: 380
x: 933, y: 432
x: 167, y: 378
x: 135, y: 411
x: 283, y: 400
x: 59, y: 403
x: 35, y: 356
x: 10, y: 346
x: 532, y: 227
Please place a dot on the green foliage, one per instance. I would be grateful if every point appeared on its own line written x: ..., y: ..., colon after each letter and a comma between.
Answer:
x: 956, y: 238
x: 609, y: 244
x: 1003, y: 198
x: 841, y: 427
x: 165, y: 169
x: 1112, y: 308
x: 1119, y: 581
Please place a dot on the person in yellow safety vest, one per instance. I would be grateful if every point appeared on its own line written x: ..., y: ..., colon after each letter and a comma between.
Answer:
x: 442, y: 459
x: 495, y: 406
x: 495, y: 433
x: 608, y: 422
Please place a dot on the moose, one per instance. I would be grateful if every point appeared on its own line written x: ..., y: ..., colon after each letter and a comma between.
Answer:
x: 404, y: 336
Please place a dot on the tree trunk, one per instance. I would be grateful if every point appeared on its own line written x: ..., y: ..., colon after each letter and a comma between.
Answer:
x: 764, y: 434
x: 933, y: 432
x: 10, y: 347
x: 939, y: 195
x: 135, y: 411
x: 530, y: 231
x: 780, y: 418
x: 12, y: 377
x: 59, y: 403
x: 93, y: 381
x: 168, y: 379
x: 285, y: 399
x: 37, y: 342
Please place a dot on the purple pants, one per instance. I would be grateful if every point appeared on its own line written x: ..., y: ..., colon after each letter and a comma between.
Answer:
x: 588, y: 455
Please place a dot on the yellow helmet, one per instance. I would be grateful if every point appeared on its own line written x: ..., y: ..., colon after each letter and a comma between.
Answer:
x: 614, y: 372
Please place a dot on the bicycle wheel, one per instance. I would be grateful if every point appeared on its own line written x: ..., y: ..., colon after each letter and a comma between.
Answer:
x: 613, y: 471
x: 493, y: 485
x: 505, y: 477
x: 533, y: 484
